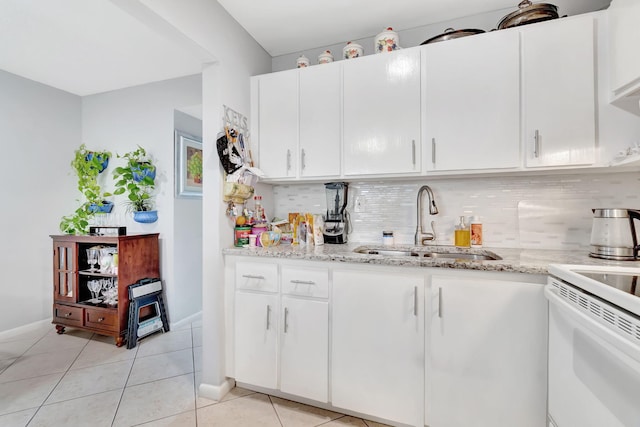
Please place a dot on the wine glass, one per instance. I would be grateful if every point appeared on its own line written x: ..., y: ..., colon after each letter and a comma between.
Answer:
x: 92, y: 258
x: 105, y: 260
x: 94, y: 287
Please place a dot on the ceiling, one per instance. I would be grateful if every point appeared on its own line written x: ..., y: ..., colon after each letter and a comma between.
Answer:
x: 93, y: 46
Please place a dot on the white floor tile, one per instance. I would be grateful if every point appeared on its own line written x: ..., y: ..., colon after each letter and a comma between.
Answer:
x: 197, y: 359
x: 196, y: 324
x: 156, y: 400
x: 346, y: 421
x: 374, y: 424
x: 13, y: 349
x: 24, y: 394
x: 254, y: 410
x: 17, y: 419
x: 293, y: 414
x: 197, y: 337
x: 186, y: 419
x: 53, y: 342
x: 96, y: 410
x: 4, y: 364
x: 39, y: 364
x: 100, y: 351
x: 96, y: 379
x: 165, y: 342
x: 160, y: 366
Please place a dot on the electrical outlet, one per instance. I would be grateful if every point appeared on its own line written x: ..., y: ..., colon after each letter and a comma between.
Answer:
x: 359, y: 205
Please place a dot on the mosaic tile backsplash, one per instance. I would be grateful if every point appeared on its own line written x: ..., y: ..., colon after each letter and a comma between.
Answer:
x: 538, y: 212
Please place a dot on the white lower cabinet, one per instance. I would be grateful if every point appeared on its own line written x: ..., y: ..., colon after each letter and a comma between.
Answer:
x: 378, y: 344
x: 486, y: 353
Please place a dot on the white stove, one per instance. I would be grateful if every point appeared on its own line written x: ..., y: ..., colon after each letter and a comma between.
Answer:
x: 594, y: 346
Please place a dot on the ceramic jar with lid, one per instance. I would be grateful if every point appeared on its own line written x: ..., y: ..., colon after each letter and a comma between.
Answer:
x: 302, y: 61
x: 352, y: 50
x: 325, y: 57
x: 387, y: 41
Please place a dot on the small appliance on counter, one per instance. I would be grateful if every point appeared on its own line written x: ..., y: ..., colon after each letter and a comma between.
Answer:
x: 613, y: 234
x: 336, y: 223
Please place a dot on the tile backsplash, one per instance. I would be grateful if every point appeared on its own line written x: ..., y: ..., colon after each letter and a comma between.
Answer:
x: 550, y: 212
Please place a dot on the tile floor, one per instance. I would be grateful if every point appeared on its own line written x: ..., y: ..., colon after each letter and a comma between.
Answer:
x: 83, y: 379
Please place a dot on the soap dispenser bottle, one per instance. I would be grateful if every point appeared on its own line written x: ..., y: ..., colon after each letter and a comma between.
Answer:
x: 462, y: 237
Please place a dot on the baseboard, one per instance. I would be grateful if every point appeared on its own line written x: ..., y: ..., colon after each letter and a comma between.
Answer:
x: 10, y: 333
x: 186, y: 321
x: 216, y: 392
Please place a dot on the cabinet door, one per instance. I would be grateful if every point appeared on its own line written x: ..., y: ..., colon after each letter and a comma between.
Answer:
x: 559, y: 92
x: 278, y: 128
x: 320, y: 120
x: 624, y: 16
x: 304, y: 358
x: 377, y: 345
x: 486, y: 353
x: 256, y: 336
x: 382, y: 114
x: 65, y: 271
x: 472, y: 102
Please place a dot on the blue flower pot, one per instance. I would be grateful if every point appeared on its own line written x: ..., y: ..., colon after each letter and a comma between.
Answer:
x: 139, y: 174
x: 105, y: 208
x: 145, y: 217
x: 104, y: 164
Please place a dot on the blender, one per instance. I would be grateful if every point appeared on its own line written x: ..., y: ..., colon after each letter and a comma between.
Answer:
x: 337, y: 218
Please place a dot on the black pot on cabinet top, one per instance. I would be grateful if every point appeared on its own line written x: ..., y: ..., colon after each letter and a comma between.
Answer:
x: 450, y: 34
x: 528, y: 13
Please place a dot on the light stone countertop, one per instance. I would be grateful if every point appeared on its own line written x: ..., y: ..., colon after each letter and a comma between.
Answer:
x: 530, y: 261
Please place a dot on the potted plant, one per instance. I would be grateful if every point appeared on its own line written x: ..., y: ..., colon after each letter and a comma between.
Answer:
x: 137, y: 179
x: 87, y: 165
x: 194, y: 167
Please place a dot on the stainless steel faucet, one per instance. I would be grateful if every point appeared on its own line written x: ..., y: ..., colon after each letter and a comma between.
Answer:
x: 421, y: 236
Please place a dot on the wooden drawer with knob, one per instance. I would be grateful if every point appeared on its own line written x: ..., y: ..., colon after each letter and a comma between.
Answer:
x: 67, y: 315
x: 100, y: 318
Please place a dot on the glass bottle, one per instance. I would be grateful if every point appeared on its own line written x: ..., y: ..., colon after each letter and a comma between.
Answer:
x: 462, y: 237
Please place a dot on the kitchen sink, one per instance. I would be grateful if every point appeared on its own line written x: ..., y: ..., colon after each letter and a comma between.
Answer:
x: 430, y: 253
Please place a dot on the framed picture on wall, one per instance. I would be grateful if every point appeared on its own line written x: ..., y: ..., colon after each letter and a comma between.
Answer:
x: 188, y: 168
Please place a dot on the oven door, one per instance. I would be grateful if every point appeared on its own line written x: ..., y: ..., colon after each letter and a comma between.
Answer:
x: 594, y: 374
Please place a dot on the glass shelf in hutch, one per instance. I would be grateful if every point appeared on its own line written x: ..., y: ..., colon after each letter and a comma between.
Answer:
x: 91, y: 275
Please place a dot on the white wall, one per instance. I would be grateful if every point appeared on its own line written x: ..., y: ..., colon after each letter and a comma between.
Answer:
x: 144, y: 115
x: 40, y: 129
x: 187, y: 243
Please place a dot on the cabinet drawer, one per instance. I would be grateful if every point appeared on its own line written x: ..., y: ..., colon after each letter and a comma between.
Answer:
x: 307, y: 281
x: 68, y: 315
x: 100, y: 318
x: 257, y: 276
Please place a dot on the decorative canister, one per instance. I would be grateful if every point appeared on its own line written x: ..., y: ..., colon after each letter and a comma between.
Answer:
x: 242, y: 236
x: 387, y: 41
x: 258, y: 231
x: 325, y: 57
x: 302, y: 61
x: 352, y: 50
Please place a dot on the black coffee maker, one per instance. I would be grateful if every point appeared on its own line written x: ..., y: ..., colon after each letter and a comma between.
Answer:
x: 336, y: 222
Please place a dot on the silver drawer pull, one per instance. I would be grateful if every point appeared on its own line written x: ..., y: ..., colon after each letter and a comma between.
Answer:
x: 415, y: 301
x: 440, y: 302
x: 250, y: 276
x: 286, y: 320
x: 268, y: 316
x: 303, y: 282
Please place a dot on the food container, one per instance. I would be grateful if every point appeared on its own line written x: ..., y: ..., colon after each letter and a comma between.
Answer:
x: 352, y: 50
x: 450, y: 34
x: 302, y: 61
x: 325, y: 57
x: 387, y: 238
x: 258, y: 231
x: 528, y: 13
x: 236, y: 192
x: 387, y: 41
x: 242, y: 236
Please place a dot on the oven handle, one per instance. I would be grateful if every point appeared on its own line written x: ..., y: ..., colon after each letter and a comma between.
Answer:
x: 601, y: 333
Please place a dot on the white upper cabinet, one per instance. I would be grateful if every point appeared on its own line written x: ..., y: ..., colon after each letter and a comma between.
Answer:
x: 624, y: 27
x: 471, y: 98
x: 559, y: 92
x: 277, y: 95
x: 320, y: 121
x: 381, y: 126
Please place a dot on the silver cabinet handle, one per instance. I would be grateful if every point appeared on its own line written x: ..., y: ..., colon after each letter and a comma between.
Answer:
x: 302, y: 157
x: 440, y: 302
x: 268, y: 317
x: 536, y: 144
x: 415, y: 301
x: 303, y: 282
x: 433, y: 151
x: 413, y: 152
x: 286, y: 320
x: 251, y: 276
x: 288, y: 160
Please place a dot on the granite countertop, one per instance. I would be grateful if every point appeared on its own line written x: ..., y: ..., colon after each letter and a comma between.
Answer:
x: 530, y: 261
